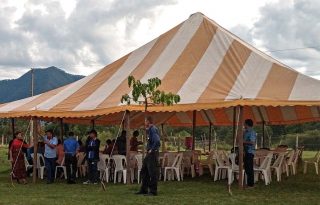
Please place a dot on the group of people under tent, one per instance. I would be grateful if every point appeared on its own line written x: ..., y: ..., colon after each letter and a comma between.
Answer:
x: 54, y: 150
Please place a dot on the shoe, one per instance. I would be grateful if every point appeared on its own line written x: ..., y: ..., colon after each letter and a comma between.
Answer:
x: 151, y: 194
x: 141, y: 193
x: 49, y: 182
x: 95, y: 183
x: 249, y: 187
x: 71, y: 182
x: 87, y: 182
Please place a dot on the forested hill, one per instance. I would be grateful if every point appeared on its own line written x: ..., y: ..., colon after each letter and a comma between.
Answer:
x: 44, y: 79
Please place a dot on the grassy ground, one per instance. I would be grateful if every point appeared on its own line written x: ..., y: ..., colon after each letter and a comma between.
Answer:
x: 300, y: 189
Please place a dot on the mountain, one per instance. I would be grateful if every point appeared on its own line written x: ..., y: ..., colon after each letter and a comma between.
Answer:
x: 44, y: 79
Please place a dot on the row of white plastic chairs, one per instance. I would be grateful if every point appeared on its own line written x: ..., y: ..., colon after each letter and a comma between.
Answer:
x: 283, y: 163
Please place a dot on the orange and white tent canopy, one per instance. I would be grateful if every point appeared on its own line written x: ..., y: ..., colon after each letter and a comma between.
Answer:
x: 210, y: 68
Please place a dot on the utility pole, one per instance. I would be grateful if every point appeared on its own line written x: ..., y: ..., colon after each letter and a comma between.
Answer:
x: 32, y: 94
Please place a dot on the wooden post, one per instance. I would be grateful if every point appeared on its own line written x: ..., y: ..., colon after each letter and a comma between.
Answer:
x: 263, y: 134
x: 35, y: 150
x: 234, y: 127
x: 127, y: 128
x: 61, y: 129
x: 210, y: 136
x: 93, y: 124
x: 194, y: 124
x: 163, y: 139
x: 13, y: 127
x: 240, y: 140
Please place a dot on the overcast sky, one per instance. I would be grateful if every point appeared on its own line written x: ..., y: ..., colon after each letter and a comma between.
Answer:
x: 81, y: 36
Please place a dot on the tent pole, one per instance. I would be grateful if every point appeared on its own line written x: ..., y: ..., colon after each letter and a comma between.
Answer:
x: 194, y: 124
x: 13, y: 127
x: 93, y: 124
x: 240, y: 140
x: 127, y: 128
x: 35, y: 149
x: 61, y: 129
x: 210, y: 136
x: 234, y: 127
x: 263, y: 135
x: 163, y: 138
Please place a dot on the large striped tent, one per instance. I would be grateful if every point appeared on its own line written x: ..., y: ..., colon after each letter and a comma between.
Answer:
x: 210, y: 68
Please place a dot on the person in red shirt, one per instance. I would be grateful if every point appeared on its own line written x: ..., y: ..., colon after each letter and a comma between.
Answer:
x: 17, y: 158
x: 134, y: 143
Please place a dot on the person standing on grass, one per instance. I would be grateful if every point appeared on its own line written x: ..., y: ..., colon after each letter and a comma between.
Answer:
x: 150, y: 169
x: 92, y: 153
x: 50, y: 155
x: 17, y: 158
x: 249, y: 150
x: 71, y: 148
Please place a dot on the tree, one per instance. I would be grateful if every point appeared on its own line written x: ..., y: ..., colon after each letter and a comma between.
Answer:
x: 147, y: 94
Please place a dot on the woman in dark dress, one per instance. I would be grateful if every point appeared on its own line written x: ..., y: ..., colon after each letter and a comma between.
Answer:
x: 17, y: 158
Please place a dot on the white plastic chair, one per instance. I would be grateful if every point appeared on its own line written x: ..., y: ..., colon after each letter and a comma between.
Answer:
x: 234, y: 168
x: 167, y: 160
x: 139, y: 165
x: 28, y: 166
x: 221, y: 166
x: 277, y: 166
x: 175, y: 167
x: 63, y: 167
x: 208, y: 164
x: 264, y: 168
x: 81, y: 165
x: 187, y: 164
x: 120, y: 163
x: 294, y: 163
x: 314, y: 161
x: 288, y: 160
x: 104, y: 167
x: 40, y: 167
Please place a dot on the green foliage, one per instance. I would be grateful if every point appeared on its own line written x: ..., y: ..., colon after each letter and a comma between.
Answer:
x: 148, y: 91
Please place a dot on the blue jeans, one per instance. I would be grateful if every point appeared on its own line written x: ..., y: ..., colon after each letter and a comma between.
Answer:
x: 50, y: 164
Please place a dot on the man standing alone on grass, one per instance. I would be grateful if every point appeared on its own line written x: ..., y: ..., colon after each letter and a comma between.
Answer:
x: 150, y: 169
x: 71, y: 148
x: 50, y: 155
x: 92, y: 154
x: 249, y: 143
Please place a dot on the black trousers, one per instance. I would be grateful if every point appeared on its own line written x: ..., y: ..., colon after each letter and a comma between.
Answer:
x: 150, y: 172
x: 248, y: 166
x: 93, y: 171
x: 71, y: 166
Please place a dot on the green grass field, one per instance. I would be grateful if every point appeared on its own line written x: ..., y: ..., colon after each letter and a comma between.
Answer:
x: 300, y: 189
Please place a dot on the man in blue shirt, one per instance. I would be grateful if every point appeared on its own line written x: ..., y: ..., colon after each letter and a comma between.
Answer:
x: 92, y: 154
x: 249, y: 143
x: 150, y: 169
x: 71, y: 148
x: 50, y: 154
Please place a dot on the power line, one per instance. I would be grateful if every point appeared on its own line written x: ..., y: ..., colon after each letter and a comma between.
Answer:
x: 291, y: 49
